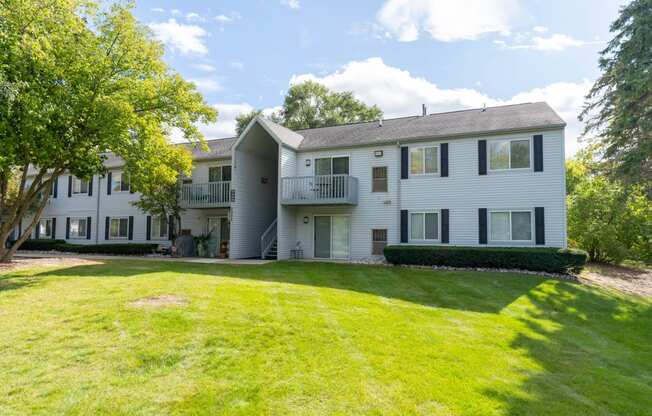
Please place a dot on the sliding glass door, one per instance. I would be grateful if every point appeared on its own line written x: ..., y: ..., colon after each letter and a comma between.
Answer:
x: 332, y: 236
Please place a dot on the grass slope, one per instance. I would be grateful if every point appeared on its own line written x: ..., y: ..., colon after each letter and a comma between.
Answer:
x: 309, y: 338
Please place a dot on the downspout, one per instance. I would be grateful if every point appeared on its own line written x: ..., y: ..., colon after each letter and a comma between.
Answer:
x: 97, y: 210
x: 398, y: 191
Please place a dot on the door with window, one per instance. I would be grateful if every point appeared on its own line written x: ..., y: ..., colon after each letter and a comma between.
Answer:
x: 330, y: 176
x: 220, y: 229
x: 332, y: 236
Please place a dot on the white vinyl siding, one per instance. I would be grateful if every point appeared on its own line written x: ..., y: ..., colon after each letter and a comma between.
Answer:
x: 510, y: 226
x: 78, y: 227
x: 119, y: 228
x: 509, y: 154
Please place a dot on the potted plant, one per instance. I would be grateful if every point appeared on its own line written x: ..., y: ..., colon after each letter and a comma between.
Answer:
x: 201, y: 242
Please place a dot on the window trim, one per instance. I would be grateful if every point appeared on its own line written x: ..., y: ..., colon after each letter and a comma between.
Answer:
x: 158, y: 236
x: 118, y: 237
x: 78, y: 237
x: 509, y: 157
x: 424, y: 173
x: 424, y: 240
x: 510, y: 211
x: 113, y: 182
x: 331, y: 157
x: 80, y: 181
x: 44, y: 236
x: 374, y: 179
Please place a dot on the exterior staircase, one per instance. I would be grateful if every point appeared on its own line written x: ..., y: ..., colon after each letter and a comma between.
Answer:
x: 269, y: 243
x: 271, y: 252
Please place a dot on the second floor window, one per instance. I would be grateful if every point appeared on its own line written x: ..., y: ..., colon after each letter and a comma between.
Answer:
x: 424, y: 160
x: 79, y: 186
x: 219, y: 173
x: 509, y: 154
x: 119, y: 228
x: 332, y: 166
x: 379, y: 179
x: 119, y: 182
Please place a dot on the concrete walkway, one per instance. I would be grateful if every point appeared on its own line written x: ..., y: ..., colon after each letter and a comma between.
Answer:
x: 43, y: 255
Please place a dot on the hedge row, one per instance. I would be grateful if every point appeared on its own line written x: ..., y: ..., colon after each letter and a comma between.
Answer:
x: 61, y: 245
x: 551, y: 260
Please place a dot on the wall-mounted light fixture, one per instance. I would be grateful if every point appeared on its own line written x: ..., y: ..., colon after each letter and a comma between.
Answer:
x: 378, y: 153
x: 306, y: 220
x: 264, y: 180
x: 307, y: 162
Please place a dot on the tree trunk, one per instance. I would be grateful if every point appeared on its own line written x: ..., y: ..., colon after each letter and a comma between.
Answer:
x: 8, y: 254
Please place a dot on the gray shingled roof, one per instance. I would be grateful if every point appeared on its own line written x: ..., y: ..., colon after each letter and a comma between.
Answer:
x: 454, y: 123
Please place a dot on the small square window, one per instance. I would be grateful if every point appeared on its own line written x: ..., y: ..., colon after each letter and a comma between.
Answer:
x: 379, y: 179
x: 378, y: 241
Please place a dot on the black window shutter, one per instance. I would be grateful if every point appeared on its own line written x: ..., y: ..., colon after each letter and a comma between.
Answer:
x: 171, y: 228
x: 90, y: 187
x: 107, y: 224
x: 88, y: 227
x: 482, y: 157
x: 55, y: 192
x: 20, y: 228
x: 444, y: 226
x: 404, y: 226
x: 37, y: 230
x: 444, y: 158
x: 54, y: 228
x: 482, y: 222
x: 404, y: 162
x: 67, y: 228
x: 148, y: 236
x: 539, y: 226
x: 69, y: 186
x: 108, y: 183
x: 538, y: 153
x: 131, y: 227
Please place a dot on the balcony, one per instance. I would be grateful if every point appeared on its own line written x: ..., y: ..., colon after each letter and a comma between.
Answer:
x: 320, y: 190
x: 205, y: 195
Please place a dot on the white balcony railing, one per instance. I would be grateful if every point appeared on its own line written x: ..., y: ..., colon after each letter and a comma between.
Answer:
x: 319, y: 190
x: 206, y: 195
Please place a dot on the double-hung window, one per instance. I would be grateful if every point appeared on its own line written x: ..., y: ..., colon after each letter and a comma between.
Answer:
x: 424, y: 226
x: 509, y: 154
x: 511, y: 226
x: 379, y: 179
x: 119, y: 228
x: 45, y: 226
x: 424, y: 160
x: 79, y: 186
x: 78, y: 228
x: 219, y: 173
x: 159, y: 228
x: 120, y: 182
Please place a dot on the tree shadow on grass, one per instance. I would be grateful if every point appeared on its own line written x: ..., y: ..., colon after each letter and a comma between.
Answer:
x: 478, y: 292
x: 594, y: 349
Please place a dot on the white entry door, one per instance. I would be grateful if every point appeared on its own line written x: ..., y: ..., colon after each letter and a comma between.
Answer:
x: 332, y: 236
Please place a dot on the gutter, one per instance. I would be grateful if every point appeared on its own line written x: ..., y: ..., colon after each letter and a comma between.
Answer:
x: 97, y: 210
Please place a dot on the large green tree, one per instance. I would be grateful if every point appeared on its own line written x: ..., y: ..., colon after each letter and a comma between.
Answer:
x: 77, y: 81
x: 619, y: 106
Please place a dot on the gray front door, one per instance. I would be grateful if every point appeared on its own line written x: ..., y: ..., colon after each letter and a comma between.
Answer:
x: 323, y: 237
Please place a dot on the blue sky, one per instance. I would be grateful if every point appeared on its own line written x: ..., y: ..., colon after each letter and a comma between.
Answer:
x: 398, y: 54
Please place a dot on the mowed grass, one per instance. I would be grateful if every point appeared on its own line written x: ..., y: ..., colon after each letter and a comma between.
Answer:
x: 311, y: 338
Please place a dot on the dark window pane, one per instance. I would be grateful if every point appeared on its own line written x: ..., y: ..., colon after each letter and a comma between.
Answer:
x: 340, y: 166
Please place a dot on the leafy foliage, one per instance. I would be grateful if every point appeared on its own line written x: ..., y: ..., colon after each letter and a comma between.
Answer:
x: 79, y: 81
x: 608, y: 219
x: 551, y: 260
x: 619, y: 105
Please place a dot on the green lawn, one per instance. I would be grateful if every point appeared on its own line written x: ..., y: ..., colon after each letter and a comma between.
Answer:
x: 310, y: 338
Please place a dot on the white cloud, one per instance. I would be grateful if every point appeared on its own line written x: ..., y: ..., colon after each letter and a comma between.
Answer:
x: 236, y: 64
x: 206, y: 84
x: 204, y: 67
x: 398, y: 93
x: 158, y: 10
x: 195, y: 17
x: 447, y: 20
x: 540, y: 29
x: 554, y: 43
x: 175, y: 12
x: 225, y: 126
x: 186, y: 39
x: 292, y: 4
x: 227, y: 18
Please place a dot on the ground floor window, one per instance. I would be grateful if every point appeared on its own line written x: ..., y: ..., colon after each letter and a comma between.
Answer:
x: 424, y: 226
x: 119, y: 228
x: 159, y: 227
x: 510, y: 225
x: 45, y: 228
x: 78, y: 228
x: 378, y: 241
x: 332, y: 236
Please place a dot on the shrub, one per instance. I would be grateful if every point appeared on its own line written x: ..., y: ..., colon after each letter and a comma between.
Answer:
x: 552, y: 260
x: 41, y: 245
x: 121, y: 249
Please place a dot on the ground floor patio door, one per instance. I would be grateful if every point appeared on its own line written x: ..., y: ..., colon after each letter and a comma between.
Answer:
x: 332, y: 236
